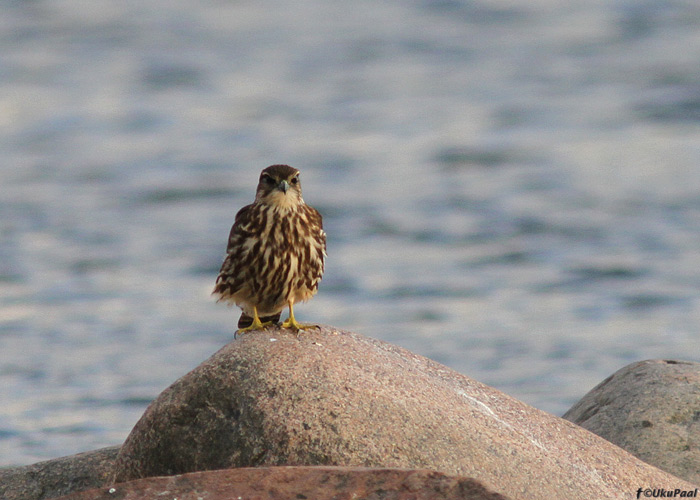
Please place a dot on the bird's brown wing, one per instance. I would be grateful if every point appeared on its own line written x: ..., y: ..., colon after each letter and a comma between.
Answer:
x: 226, y: 282
x: 314, y: 263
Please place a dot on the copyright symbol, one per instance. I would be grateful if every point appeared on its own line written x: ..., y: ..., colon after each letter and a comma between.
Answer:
x: 647, y: 492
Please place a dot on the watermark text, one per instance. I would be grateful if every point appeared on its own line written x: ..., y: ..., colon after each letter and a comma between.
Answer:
x: 664, y: 493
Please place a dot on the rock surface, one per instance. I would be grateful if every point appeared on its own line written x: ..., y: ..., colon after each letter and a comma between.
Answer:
x: 58, y: 477
x: 329, y: 397
x: 318, y: 483
x: 651, y: 409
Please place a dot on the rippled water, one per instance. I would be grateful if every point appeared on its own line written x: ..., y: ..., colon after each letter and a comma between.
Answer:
x: 509, y: 188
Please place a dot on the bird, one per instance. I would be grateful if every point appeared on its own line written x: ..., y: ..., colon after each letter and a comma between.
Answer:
x: 275, y: 255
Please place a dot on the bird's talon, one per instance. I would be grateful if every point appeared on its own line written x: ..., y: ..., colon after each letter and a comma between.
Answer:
x: 256, y: 325
x: 293, y: 325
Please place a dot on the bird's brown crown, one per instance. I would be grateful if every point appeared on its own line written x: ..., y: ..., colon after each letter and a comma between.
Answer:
x: 280, y: 171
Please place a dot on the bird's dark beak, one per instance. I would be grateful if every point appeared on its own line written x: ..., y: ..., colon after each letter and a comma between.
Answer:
x: 283, y: 186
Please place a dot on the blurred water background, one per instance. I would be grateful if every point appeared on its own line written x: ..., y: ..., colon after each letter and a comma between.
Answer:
x: 511, y: 188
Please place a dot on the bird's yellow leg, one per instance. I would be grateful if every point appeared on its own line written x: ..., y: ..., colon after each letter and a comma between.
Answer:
x: 292, y: 324
x: 255, y: 325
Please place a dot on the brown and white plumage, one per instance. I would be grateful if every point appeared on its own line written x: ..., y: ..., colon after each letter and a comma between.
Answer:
x: 275, y: 254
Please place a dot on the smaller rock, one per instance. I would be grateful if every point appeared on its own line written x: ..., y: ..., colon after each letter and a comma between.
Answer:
x: 318, y: 483
x: 59, y: 476
x: 651, y: 409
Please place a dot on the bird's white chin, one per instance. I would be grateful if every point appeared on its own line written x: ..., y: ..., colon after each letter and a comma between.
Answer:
x: 284, y: 201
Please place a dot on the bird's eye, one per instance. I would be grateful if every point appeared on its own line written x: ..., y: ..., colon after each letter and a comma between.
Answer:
x: 268, y: 179
x: 295, y: 180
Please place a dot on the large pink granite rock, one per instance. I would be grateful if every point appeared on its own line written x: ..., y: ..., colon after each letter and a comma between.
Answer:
x: 329, y: 397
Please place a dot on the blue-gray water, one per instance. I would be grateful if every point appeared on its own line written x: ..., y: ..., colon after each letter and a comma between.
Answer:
x: 511, y: 188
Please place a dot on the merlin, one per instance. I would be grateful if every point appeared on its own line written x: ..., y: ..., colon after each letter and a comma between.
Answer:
x: 275, y: 254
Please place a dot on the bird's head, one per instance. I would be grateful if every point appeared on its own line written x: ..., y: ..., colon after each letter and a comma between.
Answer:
x: 279, y: 186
